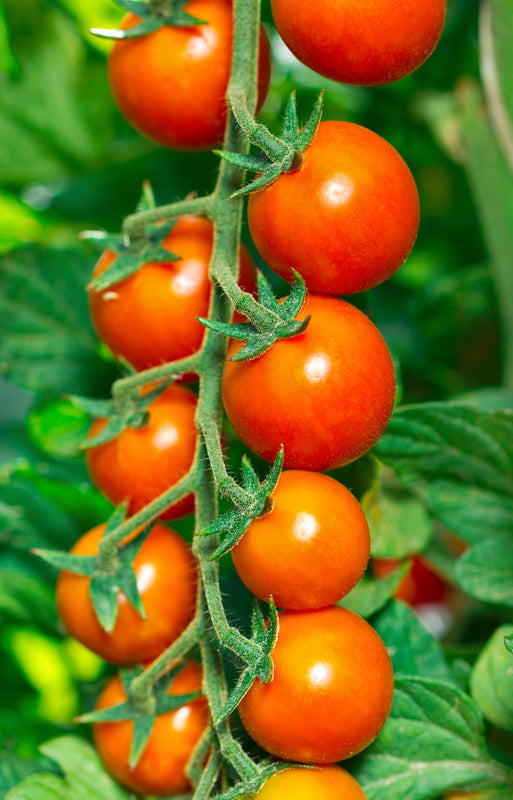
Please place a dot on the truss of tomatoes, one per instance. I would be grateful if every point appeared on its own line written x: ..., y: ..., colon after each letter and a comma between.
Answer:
x: 346, y: 219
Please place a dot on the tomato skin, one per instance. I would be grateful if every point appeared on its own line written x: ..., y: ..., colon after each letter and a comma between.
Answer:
x: 160, y: 770
x: 324, y: 783
x: 346, y: 219
x: 141, y: 463
x: 150, y: 318
x: 163, y: 560
x: 171, y: 84
x: 331, y: 692
x: 369, y: 44
x: 326, y: 395
x: 312, y: 548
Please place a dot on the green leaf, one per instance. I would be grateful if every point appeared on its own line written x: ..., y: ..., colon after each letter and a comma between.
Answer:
x: 46, y: 340
x: 58, y: 427
x: 413, y: 650
x: 433, y: 741
x: 508, y: 642
x: 370, y: 595
x: 486, y: 570
x: 25, y: 598
x: 399, y: 524
x: 502, y: 31
x: 84, y: 775
x: 459, y: 460
x: 14, y: 769
x: 491, y: 681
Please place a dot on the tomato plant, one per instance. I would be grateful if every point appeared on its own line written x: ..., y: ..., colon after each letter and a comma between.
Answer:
x: 324, y: 783
x: 171, y: 84
x: 141, y: 463
x: 357, y: 218
x: 161, y: 768
x: 163, y: 560
x: 340, y: 364
x: 363, y: 43
x: 311, y: 549
x: 150, y: 318
x: 331, y: 690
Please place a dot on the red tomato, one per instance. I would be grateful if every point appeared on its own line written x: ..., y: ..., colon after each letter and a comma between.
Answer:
x: 313, y: 547
x: 420, y: 585
x: 163, y: 560
x: 346, y: 219
x: 331, y: 692
x: 367, y: 43
x: 150, y: 318
x: 171, y: 84
x: 161, y: 768
x: 324, y: 783
x: 326, y: 395
x: 141, y: 463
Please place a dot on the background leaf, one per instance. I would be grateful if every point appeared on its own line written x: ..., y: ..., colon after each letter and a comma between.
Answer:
x: 492, y: 681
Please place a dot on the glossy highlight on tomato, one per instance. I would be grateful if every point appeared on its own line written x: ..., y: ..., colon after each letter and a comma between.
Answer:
x: 367, y: 43
x: 311, y: 549
x: 331, y: 691
x: 171, y: 84
x: 163, y: 561
x: 326, y: 395
x: 141, y: 463
x: 346, y: 219
x: 150, y: 317
x: 161, y: 768
x: 323, y: 783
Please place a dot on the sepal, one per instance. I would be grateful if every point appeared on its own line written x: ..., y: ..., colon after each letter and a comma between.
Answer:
x: 153, y: 16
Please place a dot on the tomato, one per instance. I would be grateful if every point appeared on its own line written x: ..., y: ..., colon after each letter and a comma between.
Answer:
x: 326, y: 394
x: 346, y: 219
x: 171, y: 84
x: 141, y: 463
x: 163, y: 560
x: 150, y: 318
x: 419, y: 586
x: 311, y: 549
x: 324, y: 783
x: 367, y: 43
x: 331, y: 692
x: 161, y: 768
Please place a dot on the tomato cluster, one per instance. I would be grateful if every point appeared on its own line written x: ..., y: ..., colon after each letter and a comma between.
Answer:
x: 345, y: 218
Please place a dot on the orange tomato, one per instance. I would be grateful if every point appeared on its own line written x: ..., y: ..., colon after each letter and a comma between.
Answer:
x: 141, y: 463
x: 311, y: 549
x: 331, y: 691
x: 150, y: 318
x: 161, y: 768
x: 163, y: 560
x: 326, y: 394
x: 323, y: 783
x: 171, y: 84
x: 367, y: 43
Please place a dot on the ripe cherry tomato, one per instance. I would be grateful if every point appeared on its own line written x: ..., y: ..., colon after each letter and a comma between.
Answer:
x: 150, y: 318
x: 171, y: 84
x: 324, y: 783
x: 160, y: 770
x: 367, y: 43
x: 141, y: 463
x: 311, y: 549
x: 346, y: 219
x: 326, y: 395
x: 163, y: 561
x: 331, y: 692
x: 419, y: 586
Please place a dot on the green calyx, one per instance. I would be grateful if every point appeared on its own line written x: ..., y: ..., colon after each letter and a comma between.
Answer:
x: 143, y: 711
x: 110, y: 571
x: 263, y: 640
x: 256, y: 502
x: 279, y: 154
x: 127, y: 410
x: 268, y: 320
x: 153, y: 15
